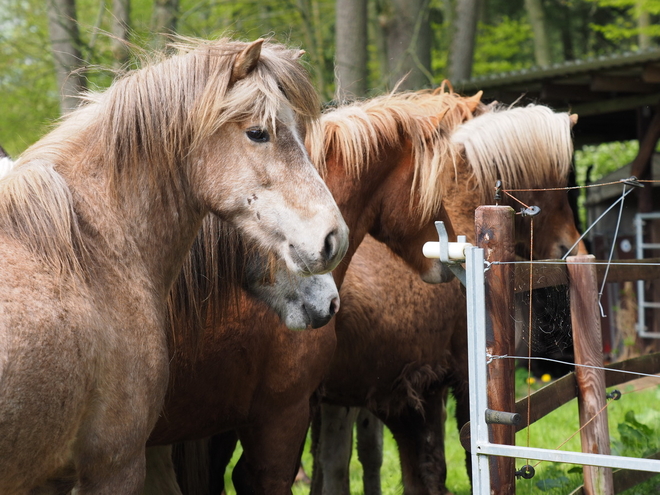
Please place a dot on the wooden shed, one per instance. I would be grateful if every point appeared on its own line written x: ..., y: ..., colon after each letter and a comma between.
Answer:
x: 617, y: 98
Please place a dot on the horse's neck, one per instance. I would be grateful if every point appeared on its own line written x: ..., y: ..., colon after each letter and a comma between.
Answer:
x: 460, y: 198
x: 144, y: 232
x: 360, y: 200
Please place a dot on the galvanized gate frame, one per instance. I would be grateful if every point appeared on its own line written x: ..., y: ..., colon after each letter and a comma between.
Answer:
x: 475, y: 268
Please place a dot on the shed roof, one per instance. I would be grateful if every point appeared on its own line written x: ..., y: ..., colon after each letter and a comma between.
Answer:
x: 605, y: 92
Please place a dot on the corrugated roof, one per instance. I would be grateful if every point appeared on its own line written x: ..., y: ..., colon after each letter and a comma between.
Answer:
x: 609, y: 94
x: 562, y: 70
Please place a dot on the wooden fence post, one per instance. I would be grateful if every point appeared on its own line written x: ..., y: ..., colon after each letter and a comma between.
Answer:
x: 494, y: 228
x: 587, y: 343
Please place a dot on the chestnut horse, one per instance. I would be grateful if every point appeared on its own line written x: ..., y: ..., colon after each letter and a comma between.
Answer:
x: 380, y: 159
x: 400, y: 342
x: 95, y: 221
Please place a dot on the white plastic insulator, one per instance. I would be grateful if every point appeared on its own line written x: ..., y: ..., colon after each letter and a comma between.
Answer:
x: 431, y: 250
x: 456, y: 250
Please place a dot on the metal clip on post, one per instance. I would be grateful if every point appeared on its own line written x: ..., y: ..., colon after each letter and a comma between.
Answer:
x: 498, y: 192
x: 526, y: 472
x: 530, y: 211
x: 451, y: 254
x: 632, y: 181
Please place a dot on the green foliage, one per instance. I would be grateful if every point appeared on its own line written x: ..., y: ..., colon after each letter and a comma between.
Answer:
x: 593, y: 162
x: 635, y: 437
x: 624, y: 26
x: 556, y: 479
x: 504, y: 47
x: 578, y: 28
x: 599, y: 160
x: 27, y: 81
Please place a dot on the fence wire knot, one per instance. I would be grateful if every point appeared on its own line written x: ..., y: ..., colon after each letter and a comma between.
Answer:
x: 492, y: 357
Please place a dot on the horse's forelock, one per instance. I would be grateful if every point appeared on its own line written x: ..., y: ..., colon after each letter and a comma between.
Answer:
x: 278, y: 79
x: 163, y: 110
x: 525, y: 147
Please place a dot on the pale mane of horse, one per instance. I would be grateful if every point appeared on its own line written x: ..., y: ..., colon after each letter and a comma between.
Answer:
x: 524, y: 147
x: 356, y: 132
x: 151, y: 117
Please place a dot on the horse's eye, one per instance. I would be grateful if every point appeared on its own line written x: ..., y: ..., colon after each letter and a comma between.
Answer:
x: 258, y: 135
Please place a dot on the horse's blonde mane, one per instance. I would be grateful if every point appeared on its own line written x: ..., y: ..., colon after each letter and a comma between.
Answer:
x: 148, y: 120
x: 524, y: 147
x: 356, y: 133
x: 37, y: 205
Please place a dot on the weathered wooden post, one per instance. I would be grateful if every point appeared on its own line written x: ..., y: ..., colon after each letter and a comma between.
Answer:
x: 494, y: 229
x: 588, y: 347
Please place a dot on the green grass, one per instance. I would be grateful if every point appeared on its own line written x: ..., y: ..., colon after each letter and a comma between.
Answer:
x: 634, y: 436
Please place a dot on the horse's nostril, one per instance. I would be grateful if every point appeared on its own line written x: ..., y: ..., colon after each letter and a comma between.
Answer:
x: 330, y: 246
x: 334, y: 306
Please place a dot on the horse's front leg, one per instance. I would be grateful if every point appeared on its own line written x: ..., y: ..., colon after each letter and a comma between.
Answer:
x: 369, y: 431
x: 109, y: 453
x: 271, y: 451
x: 332, y: 454
x: 112, y: 478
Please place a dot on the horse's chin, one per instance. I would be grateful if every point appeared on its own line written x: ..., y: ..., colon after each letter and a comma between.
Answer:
x: 303, y: 316
x: 437, y: 274
x: 297, y: 320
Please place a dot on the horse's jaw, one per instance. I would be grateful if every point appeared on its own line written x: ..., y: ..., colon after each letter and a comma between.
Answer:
x: 439, y: 273
x: 300, y: 302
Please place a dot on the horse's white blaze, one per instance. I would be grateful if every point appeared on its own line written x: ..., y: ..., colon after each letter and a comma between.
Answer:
x: 306, y: 229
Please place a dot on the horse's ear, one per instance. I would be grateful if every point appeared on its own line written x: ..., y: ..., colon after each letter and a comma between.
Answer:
x: 473, y: 101
x: 247, y: 60
x: 574, y: 118
x: 441, y: 89
x: 436, y: 119
x: 299, y: 54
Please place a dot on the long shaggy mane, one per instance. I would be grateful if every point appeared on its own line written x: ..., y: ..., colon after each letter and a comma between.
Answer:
x: 356, y: 133
x: 524, y: 147
x: 144, y: 126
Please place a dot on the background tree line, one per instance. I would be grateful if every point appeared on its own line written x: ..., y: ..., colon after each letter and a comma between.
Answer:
x: 51, y: 50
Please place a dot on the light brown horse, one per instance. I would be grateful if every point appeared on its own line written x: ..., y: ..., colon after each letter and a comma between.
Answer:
x: 228, y: 259
x: 380, y: 160
x: 400, y: 342
x: 95, y: 221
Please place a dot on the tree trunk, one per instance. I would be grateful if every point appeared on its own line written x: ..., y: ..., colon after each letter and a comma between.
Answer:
x: 408, y: 34
x: 164, y: 20
x: 567, y: 34
x: 351, y: 49
x: 65, y: 42
x: 461, y: 54
x: 541, y: 40
x: 308, y: 10
x: 121, y: 21
x: 643, y: 23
